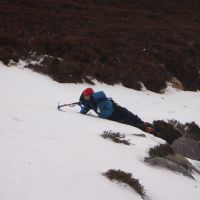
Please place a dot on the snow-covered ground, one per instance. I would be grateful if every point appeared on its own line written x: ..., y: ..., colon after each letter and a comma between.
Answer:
x: 47, y: 154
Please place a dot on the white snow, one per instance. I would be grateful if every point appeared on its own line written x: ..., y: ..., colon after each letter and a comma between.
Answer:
x: 47, y: 154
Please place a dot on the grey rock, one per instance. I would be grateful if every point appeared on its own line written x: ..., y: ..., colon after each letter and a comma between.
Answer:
x: 163, y: 162
x: 187, y: 147
x: 180, y: 160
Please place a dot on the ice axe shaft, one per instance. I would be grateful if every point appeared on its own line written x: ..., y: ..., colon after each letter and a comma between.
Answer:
x: 68, y: 104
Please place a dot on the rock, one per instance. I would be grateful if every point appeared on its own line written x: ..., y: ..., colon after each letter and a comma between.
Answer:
x: 180, y: 160
x: 163, y: 162
x: 187, y: 147
x: 192, y: 131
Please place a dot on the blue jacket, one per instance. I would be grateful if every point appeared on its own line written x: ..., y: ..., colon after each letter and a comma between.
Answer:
x: 99, y: 103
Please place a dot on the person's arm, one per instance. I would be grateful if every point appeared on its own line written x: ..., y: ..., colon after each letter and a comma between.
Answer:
x: 84, y: 109
x: 83, y: 105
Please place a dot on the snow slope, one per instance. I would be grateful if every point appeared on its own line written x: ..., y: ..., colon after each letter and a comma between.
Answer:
x: 47, y: 154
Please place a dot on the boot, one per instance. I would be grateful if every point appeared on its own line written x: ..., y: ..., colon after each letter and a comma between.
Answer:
x: 150, y: 130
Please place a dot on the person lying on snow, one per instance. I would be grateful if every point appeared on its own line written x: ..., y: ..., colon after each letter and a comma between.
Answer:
x: 106, y: 108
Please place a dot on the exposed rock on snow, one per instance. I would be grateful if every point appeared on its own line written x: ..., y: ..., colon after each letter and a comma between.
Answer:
x: 187, y: 147
x: 163, y: 162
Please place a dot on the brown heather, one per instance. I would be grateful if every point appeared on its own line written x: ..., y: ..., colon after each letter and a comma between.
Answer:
x: 127, y: 41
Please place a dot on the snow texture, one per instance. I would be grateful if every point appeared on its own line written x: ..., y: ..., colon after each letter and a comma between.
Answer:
x: 47, y: 154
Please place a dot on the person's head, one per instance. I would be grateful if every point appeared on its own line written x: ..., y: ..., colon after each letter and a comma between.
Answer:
x: 87, y: 93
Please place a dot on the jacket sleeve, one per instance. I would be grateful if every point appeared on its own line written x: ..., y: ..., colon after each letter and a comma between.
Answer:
x: 84, y: 109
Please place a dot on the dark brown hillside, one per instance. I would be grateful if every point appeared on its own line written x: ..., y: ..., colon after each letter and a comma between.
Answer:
x: 112, y: 40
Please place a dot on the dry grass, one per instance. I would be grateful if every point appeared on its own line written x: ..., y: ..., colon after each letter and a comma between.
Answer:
x: 161, y: 150
x: 115, y: 137
x: 167, y: 131
x: 124, y: 177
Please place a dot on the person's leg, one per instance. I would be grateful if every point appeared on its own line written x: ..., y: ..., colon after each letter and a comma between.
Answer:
x: 132, y: 119
x: 124, y: 116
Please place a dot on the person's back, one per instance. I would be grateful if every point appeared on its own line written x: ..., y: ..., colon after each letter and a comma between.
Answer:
x: 96, y: 101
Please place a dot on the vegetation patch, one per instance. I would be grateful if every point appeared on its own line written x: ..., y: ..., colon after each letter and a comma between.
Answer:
x: 112, y: 41
x: 192, y: 131
x: 166, y: 131
x: 115, y: 137
x: 124, y: 177
x: 139, y: 135
x: 172, y: 130
x: 188, y: 130
x: 161, y: 151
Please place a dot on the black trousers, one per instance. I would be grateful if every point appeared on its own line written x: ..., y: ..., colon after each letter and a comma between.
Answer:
x: 124, y: 116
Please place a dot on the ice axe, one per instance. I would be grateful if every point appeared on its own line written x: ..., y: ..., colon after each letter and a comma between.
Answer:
x: 68, y: 104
